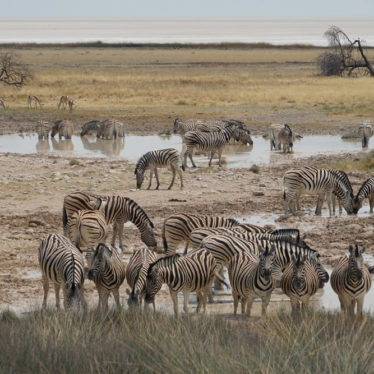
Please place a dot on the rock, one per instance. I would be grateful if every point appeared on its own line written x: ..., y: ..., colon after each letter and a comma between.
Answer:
x: 258, y: 193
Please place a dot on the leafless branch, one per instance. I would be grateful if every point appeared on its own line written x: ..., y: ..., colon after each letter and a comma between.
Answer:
x: 12, y: 72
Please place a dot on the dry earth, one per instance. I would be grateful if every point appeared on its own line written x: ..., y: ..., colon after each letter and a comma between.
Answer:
x: 33, y: 188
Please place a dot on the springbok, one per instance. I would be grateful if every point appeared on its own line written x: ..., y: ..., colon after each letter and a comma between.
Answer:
x: 63, y: 102
x: 34, y: 100
x: 71, y: 104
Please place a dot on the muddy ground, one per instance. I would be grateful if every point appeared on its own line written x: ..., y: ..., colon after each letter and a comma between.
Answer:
x: 33, y: 188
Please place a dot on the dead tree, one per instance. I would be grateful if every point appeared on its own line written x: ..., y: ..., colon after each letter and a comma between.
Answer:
x: 12, y: 72
x: 345, y: 55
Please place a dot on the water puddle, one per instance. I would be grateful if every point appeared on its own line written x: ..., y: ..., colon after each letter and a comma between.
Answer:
x: 132, y: 147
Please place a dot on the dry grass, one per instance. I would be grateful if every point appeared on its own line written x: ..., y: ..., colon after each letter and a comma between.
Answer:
x: 183, y: 82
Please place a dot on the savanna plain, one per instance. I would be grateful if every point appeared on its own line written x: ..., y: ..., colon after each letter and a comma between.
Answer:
x: 147, y: 88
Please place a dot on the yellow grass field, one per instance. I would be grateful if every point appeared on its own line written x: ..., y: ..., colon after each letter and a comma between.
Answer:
x: 157, y: 83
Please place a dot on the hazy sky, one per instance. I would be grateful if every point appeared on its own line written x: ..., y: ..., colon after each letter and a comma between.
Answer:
x: 187, y: 8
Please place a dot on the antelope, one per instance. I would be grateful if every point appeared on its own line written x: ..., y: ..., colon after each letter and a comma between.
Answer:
x: 34, y: 99
x: 63, y: 102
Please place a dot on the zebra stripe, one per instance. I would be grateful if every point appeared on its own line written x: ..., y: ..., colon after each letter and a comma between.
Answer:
x: 90, y: 127
x: 178, y: 227
x: 207, y: 141
x: 300, y: 281
x: 350, y: 279
x: 108, y: 272
x: 365, y: 191
x: 315, y: 181
x: 250, y: 277
x: 136, y: 274
x: 163, y: 158
x: 203, y: 125
x: 193, y: 272
x: 87, y: 228
x: 117, y: 211
x: 62, y: 264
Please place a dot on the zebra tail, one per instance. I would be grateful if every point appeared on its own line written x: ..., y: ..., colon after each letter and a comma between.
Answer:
x: 64, y: 219
x: 164, y: 239
x: 221, y: 279
x: 77, y: 238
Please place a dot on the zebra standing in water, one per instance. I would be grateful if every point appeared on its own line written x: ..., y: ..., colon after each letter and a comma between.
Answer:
x: 207, y: 141
x: 193, y: 272
x: 350, y: 279
x: 311, y: 180
x: 365, y: 191
x: 87, y: 228
x: 300, y: 281
x: 177, y: 228
x: 250, y: 277
x: 117, y: 211
x: 181, y: 127
x: 62, y: 264
x: 108, y: 272
x: 163, y: 158
x: 136, y: 275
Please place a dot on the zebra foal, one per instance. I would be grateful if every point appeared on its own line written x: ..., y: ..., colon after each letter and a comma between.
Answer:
x: 163, y: 158
x: 310, y: 180
x: 250, y: 277
x: 136, y: 275
x: 63, y: 265
x: 108, y: 272
x: 365, y: 191
x: 351, y: 280
x: 300, y: 281
x: 193, y: 272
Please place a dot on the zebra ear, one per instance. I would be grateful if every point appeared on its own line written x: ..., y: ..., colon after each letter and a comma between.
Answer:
x: 350, y: 250
x: 363, y: 250
x: 356, y: 251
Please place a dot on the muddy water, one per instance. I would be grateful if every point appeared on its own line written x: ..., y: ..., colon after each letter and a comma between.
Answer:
x: 132, y: 147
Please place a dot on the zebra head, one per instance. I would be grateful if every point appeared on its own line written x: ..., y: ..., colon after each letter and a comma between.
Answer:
x: 266, y: 262
x: 100, y: 257
x: 73, y: 295
x: 355, y: 262
x: 176, y: 127
x: 139, y: 172
x: 153, y: 283
x: 148, y: 235
x: 298, y: 276
x: 133, y: 299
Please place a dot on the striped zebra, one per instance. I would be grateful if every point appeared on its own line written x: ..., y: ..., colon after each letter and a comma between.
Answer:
x: 63, y: 265
x: 108, y: 272
x: 242, y: 135
x: 117, y: 211
x: 285, y: 138
x: 351, y: 280
x: 311, y: 180
x: 87, y: 228
x: 181, y: 127
x: 365, y: 191
x: 177, y: 228
x: 250, y: 277
x: 208, y: 142
x: 365, y: 130
x: 300, y: 281
x: 163, y: 158
x: 43, y: 129
x: 136, y: 275
x: 90, y: 127
x: 193, y: 272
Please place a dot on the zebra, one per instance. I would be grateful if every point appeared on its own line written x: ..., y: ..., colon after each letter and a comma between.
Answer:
x: 319, y: 181
x: 62, y: 264
x: 210, y: 142
x: 136, y: 275
x: 193, y: 272
x: 250, y: 277
x: 43, y: 129
x: 108, y: 272
x: 177, y: 228
x: 89, y: 127
x: 117, y: 211
x: 87, y: 228
x: 64, y: 128
x: 152, y: 160
x: 365, y: 191
x: 350, y: 279
x: 365, y: 130
x: 181, y: 127
x: 285, y: 137
x: 300, y: 281
x: 243, y: 136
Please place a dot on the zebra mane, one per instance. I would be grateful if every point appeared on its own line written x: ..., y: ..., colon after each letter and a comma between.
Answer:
x: 168, y: 260
x: 233, y: 221
x: 363, y: 192
x: 288, y: 128
x: 141, y: 162
x: 139, y: 208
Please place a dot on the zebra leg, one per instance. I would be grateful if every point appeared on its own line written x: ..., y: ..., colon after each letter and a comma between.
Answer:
x: 320, y: 199
x: 360, y: 304
x: 57, y: 292
x: 236, y: 301
x: 329, y: 202
x: 249, y: 305
x: 115, y: 231
x: 180, y: 175
x: 174, y: 297
x: 211, y: 158
x: 244, y: 303
x: 304, y: 306
x: 157, y: 180
x: 220, y: 157
x: 172, y: 180
x: 46, y: 289
x: 351, y: 308
x: 185, y: 157
x: 150, y: 178
x: 186, y: 295
x: 186, y: 248
x: 265, y: 303
x: 120, y: 234
x: 371, y: 203
x: 295, y: 305
x: 115, y: 293
x: 200, y: 297
x: 190, y: 155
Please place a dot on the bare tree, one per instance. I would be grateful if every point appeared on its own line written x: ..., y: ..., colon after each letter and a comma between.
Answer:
x: 12, y: 72
x: 345, y: 55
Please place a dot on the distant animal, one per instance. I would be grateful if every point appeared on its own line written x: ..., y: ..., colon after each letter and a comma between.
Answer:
x: 117, y: 211
x: 108, y: 272
x: 63, y: 265
x: 64, y: 128
x: 110, y: 129
x: 162, y: 158
x: 2, y: 103
x: 136, y: 275
x: 250, y: 277
x: 300, y: 281
x: 177, y: 228
x: 71, y: 105
x: 87, y: 228
x: 281, y: 136
x: 310, y: 180
x: 243, y: 136
x: 34, y: 101
x: 63, y: 102
x: 365, y: 130
x: 351, y: 280
x: 365, y: 191
x: 90, y: 127
x: 43, y: 129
